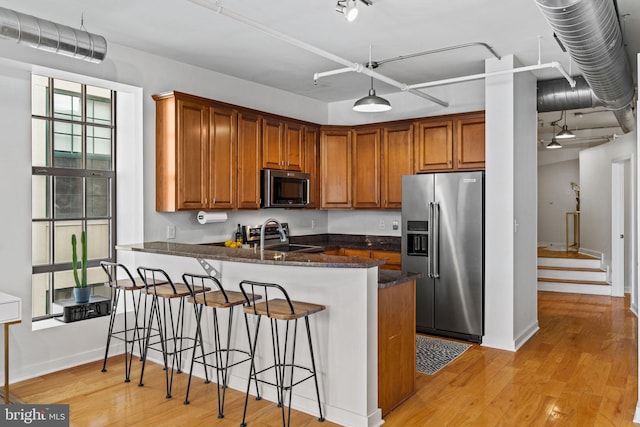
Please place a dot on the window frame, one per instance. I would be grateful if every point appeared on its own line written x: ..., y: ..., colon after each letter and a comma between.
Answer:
x: 52, y: 171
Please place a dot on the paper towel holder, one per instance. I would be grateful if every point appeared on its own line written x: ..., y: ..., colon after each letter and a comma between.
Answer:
x: 209, y: 217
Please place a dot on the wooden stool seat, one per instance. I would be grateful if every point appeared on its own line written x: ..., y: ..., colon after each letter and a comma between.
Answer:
x: 164, y: 291
x: 216, y: 299
x: 279, y: 309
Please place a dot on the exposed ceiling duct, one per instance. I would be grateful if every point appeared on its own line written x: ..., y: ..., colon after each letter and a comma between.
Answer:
x: 46, y: 35
x: 590, y: 31
x: 557, y: 95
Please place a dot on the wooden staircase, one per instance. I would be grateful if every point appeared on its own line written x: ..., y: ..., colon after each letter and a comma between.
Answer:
x: 571, y: 272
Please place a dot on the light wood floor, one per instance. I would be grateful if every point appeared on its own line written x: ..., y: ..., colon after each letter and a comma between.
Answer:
x: 544, y: 252
x: 579, y: 370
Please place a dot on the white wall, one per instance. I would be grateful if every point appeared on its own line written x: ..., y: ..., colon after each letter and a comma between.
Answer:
x: 510, y: 207
x: 364, y: 222
x: 595, y: 192
x: 525, y: 282
x: 555, y: 197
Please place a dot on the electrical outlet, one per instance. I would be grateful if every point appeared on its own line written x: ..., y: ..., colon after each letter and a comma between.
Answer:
x: 313, y: 223
x: 395, y: 224
x: 171, y: 231
x: 382, y: 225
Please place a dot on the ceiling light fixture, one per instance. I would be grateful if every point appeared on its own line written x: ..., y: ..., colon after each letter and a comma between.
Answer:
x: 565, y: 133
x: 348, y: 8
x: 553, y: 144
x: 371, y: 103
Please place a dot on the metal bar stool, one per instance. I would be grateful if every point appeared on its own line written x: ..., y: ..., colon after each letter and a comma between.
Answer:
x: 219, y: 298
x: 170, y: 330
x: 282, y: 309
x: 130, y: 335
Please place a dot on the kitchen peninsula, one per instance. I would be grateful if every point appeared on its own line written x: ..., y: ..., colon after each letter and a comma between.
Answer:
x: 346, y: 335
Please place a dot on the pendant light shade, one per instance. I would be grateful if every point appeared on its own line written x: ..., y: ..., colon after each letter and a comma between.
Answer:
x: 565, y: 133
x: 553, y: 144
x: 371, y: 103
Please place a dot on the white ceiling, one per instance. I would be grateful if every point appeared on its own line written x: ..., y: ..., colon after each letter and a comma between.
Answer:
x: 189, y: 33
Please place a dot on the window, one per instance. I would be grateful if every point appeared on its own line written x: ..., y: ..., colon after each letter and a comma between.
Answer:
x: 73, y: 186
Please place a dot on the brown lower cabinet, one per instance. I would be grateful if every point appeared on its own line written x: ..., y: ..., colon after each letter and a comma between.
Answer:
x: 396, y: 345
x: 393, y: 259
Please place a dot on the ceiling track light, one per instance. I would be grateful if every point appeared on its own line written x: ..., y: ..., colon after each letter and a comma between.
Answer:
x: 349, y: 8
x: 371, y: 103
x: 565, y: 133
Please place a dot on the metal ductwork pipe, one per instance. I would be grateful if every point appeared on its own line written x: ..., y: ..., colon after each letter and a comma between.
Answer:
x: 52, y: 37
x: 590, y: 31
x: 557, y: 95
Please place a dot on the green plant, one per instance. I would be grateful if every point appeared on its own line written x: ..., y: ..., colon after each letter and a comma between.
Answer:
x: 74, y: 260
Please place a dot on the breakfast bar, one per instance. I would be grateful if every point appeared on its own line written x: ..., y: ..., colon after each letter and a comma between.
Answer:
x: 345, y: 334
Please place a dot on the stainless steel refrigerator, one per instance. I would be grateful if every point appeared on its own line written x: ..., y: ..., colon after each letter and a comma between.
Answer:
x: 443, y: 238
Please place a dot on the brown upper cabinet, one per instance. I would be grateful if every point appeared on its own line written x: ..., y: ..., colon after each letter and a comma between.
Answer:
x: 397, y: 160
x: 335, y: 167
x: 365, y: 163
x: 470, y: 139
x: 249, y: 160
x: 209, y: 155
x: 434, y: 146
x: 195, y: 154
x: 283, y: 145
x: 450, y: 143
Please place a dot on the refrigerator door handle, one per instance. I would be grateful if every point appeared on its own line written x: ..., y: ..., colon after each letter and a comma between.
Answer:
x: 436, y: 240
x: 429, y: 241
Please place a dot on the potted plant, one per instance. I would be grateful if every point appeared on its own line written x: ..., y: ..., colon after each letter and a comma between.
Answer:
x: 81, y: 292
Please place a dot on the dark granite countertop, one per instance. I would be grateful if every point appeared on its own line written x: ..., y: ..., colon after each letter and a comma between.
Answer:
x: 389, y: 278
x: 353, y: 241
x: 386, y: 278
x: 250, y: 256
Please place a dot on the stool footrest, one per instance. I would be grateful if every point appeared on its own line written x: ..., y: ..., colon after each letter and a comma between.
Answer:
x: 198, y: 359
x: 283, y: 366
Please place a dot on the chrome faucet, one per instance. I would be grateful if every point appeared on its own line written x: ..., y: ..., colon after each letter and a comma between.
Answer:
x: 283, y: 236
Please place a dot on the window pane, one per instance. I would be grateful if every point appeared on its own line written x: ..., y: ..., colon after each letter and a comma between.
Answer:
x: 40, y: 197
x: 98, y: 148
x: 40, y: 294
x: 39, y: 95
x: 68, y: 197
x: 40, y: 243
x: 63, y: 283
x: 98, y: 197
x: 67, y: 145
x: 39, y: 142
x: 62, y: 243
x: 98, y: 105
x: 98, y: 239
x: 66, y: 100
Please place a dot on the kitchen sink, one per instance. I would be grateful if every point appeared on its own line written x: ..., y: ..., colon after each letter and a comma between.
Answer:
x: 292, y: 247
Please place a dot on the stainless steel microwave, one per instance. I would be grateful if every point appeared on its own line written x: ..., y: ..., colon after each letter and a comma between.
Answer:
x: 284, y: 189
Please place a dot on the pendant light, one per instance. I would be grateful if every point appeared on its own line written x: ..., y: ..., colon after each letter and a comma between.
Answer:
x: 565, y: 133
x: 553, y: 144
x: 371, y: 103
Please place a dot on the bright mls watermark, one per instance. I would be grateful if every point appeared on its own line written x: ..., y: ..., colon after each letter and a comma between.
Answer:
x: 34, y: 415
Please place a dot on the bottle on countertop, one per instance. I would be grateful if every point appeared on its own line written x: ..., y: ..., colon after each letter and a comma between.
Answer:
x: 239, y: 234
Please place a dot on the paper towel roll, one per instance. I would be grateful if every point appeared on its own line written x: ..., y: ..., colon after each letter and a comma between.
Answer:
x: 208, y: 217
